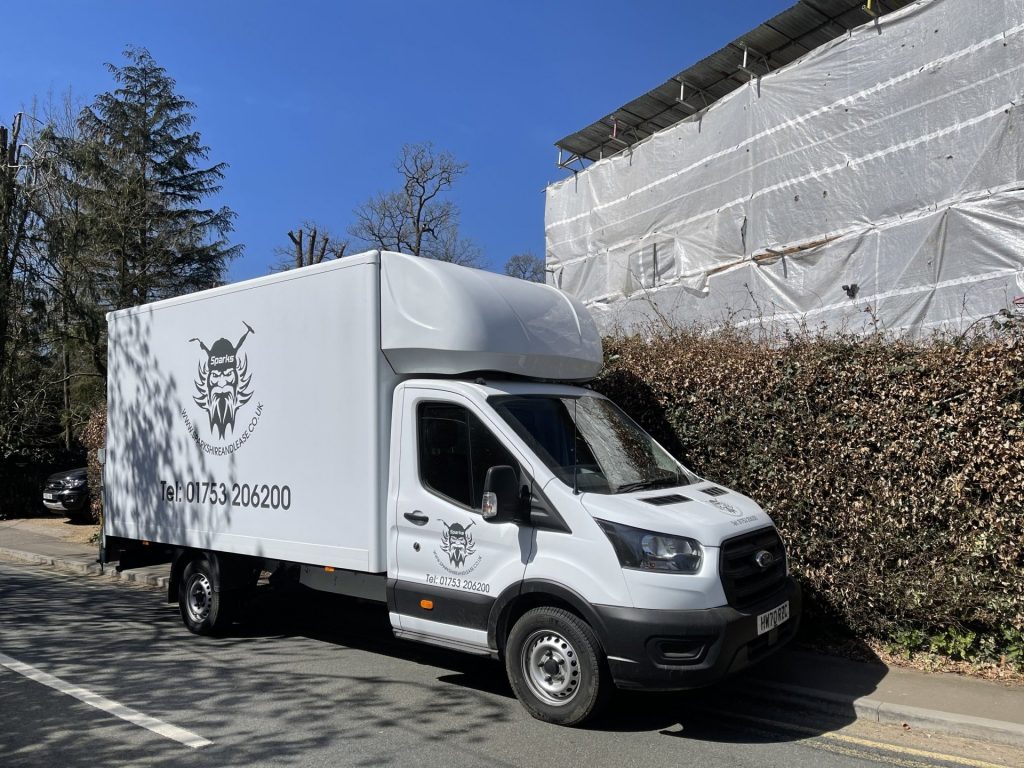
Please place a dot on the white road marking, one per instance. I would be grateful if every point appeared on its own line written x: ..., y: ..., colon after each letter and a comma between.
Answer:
x: 166, y: 730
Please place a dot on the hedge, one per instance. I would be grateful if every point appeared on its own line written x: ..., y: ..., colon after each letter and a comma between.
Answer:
x: 894, y: 469
x: 94, y: 437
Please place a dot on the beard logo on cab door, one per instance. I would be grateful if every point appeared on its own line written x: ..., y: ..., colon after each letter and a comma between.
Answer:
x: 457, y: 543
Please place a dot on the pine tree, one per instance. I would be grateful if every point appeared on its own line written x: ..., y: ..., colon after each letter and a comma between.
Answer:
x: 148, y: 236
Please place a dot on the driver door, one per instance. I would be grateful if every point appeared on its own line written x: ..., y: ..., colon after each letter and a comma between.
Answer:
x: 451, y: 564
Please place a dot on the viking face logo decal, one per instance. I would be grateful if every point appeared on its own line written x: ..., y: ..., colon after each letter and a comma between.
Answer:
x: 223, y: 384
x: 457, y: 543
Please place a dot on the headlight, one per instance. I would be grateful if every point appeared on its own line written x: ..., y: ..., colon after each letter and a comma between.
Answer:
x: 75, y: 482
x: 649, y: 551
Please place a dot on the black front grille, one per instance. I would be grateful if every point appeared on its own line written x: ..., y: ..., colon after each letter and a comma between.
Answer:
x: 746, y: 582
x: 54, y: 485
x: 660, y: 501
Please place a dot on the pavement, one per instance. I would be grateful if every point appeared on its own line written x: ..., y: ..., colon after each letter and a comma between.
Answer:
x: 792, y: 680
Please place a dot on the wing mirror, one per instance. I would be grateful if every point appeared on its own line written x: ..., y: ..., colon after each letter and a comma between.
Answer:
x: 502, y: 502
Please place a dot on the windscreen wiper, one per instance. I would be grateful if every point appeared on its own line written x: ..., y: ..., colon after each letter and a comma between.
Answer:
x: 642, y: 485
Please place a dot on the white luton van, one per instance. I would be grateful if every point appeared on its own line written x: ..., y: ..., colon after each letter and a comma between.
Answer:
x: 417, y: 433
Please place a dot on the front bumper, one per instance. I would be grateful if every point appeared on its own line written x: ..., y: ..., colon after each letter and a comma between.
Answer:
x: 67, y: 500
x: 675, y: 650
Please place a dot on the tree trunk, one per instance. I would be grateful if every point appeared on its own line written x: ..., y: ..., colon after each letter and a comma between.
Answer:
x: 66, y: 366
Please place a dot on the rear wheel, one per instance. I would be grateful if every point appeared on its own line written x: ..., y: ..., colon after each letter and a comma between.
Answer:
x: 204, y: 607
x: 555, y: 665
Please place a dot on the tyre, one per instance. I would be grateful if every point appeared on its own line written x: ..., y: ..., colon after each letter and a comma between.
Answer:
x: 204, y: 608
x: 555, y: 665
x: 81, y: 516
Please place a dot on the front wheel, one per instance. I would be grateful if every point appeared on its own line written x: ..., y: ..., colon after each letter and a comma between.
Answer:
x: 555, y: 665
x: 204, y: 608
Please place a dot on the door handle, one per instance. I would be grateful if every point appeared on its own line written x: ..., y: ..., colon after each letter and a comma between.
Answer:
x: 416, y: 517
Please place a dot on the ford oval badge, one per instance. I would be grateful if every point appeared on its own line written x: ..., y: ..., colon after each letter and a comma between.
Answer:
x: 764, y: 558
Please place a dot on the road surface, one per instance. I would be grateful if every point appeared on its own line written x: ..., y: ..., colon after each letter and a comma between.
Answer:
x: 100, y: 673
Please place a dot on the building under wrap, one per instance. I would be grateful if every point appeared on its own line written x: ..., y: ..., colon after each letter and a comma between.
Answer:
x: 873, y: 181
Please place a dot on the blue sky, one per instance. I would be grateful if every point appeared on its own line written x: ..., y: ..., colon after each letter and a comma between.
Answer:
x: 310, y: 103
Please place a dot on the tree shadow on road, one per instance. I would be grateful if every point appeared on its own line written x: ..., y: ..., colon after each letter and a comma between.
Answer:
x: 259, y: 702
x: 315, y: 671
x: 769, y: 692
x: 352, y: 623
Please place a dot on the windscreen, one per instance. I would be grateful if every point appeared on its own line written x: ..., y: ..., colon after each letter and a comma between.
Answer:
x: 590, y: 444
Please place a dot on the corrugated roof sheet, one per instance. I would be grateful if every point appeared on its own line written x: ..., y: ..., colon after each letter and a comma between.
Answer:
x: 773, y: 44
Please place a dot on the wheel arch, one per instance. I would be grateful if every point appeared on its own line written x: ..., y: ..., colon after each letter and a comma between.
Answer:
x: 178, y: 562
x: 228, y: 571
x: 534, y: 593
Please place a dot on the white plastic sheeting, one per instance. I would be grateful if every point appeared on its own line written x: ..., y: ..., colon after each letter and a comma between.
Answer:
x: 876, y: 182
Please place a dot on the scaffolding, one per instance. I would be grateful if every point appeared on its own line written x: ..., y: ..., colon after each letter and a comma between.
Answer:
x: 852, y: 167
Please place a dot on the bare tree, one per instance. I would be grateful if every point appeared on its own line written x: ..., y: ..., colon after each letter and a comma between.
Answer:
x: 16, y: 206
x: 31, y: 413
x: 526, y: 266
x: 417, y: 219
x: 311, y: 244
x: 76, y: 325
x: 456, y: 249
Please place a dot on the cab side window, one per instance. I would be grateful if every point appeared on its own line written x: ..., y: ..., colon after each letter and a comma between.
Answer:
x: 455, y: 452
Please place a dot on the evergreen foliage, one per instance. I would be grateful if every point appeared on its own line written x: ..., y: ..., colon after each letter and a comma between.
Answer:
x: 100, y: 210
x: 143, y: 185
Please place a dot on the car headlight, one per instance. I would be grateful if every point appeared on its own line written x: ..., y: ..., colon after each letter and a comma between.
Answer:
x: 650, y: 551
x: 75, y: 482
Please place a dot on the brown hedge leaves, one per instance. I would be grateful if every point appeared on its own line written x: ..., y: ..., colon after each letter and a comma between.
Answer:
x: 895, y: 470
x: 93, y: 438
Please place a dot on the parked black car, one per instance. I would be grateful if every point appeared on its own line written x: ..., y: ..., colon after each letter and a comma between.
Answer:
x: 68, y: 492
